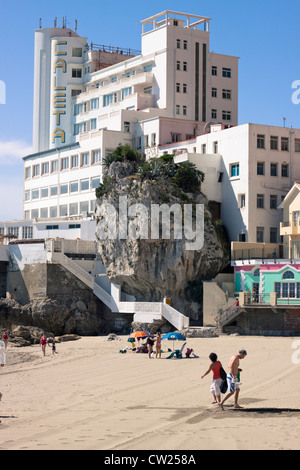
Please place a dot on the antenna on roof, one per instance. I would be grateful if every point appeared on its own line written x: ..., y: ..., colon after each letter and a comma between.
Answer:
x: 284, y: 119
x: 55, y: 22
x: 40, y: 23
x: 75, y: 26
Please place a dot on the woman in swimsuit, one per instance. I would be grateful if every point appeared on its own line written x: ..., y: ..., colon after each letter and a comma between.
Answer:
x: 158, y: 345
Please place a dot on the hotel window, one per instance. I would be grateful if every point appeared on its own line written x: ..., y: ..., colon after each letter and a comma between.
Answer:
x: 44, y: 212
x: 260, y: 141
x: 94, y: 103
x: 108, y: 99
x: 178, y: 43
x: 44, y: 192
x: 146, y: 141
x: 148, y: 68
x: 153, y: 139
x: 185, y: 46
x: 93, y: 124
x: 234, y: 170
x: 27, y: 232
x: 63, y: 210
x: 273, y: 201
x: 184, y: 67
x: 177, y: 109
x: 96, y: 156
x: 203, y: 148
x: 26, y: 217
x: 78, y: 108
x: 75, y: 93
x: 260, y: 168
x: 297, y: 145
x: 226, y: 115
x: 35, y: 194
x: 84, y: 185
x: 34, y: 213
x: 84, y: 159
x: 64, y: 188
x: 74, y: 161
x: 178, y: 65
x: 45, y: 168
x: 126, y: 92
x: 73, y: 186
x: 126, y: 126
x: 27, y: 172
x: 65, y: 163
x: 214, y: 92
x: 148, y: 90
x: 84, y: 206
x: 259, y: 234
x: 53, y: 212
x: 273, y: 234
x: 184, y: 110
x: 95, y: 182
x: 214, y: 114
x: 54, y: 166
x: 53, y: 191
x: 226, y: 72
x: 242, y: 200
x: 36, y: 170
x: 226, y: 94
x: 76, y: 73
x: 273, y: 169
x: 260, y: 201
x: 184, y: 88
x: 177, y: 87
x: 274, y: 142
x: 73, y: 208
x: 76, y: 52
x: 284, y: 170
x: 284, y: 144
x: 176, y: 137
x: 215, y: 146
x: 214, y: 70
x: 26, y: 196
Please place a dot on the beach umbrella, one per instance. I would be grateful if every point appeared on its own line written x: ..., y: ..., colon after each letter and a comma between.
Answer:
x: 174, y: 336
x: 139, y: 334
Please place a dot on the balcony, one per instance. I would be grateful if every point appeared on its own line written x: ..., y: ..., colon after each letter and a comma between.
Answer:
x: 290, y: 228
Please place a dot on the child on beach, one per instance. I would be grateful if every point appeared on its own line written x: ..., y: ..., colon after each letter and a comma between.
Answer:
x: 215, y: 367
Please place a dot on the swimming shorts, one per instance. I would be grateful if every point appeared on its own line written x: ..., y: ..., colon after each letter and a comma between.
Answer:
x: 232, y: 384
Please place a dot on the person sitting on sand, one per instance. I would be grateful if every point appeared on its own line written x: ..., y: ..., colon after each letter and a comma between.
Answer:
x: 215, y: 367
x: 233, y: 379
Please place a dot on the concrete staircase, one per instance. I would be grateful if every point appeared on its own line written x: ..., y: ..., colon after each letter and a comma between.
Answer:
x: 145, y: 312
x: 227, y: 315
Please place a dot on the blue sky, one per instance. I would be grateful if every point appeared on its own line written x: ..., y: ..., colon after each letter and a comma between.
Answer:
x: 264, y: 34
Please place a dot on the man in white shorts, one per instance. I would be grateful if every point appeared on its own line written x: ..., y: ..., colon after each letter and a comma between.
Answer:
x: 232, y: 379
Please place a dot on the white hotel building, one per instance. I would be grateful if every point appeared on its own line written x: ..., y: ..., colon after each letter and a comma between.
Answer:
x: 89, y: 99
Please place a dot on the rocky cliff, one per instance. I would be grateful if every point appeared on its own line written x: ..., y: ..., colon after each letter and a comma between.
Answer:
x: 147, y: 268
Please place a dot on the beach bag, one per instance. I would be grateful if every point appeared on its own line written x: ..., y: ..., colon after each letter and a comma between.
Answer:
x: 224, y: 386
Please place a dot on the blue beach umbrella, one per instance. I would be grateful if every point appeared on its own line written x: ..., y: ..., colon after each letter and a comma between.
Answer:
x: 175, y: 335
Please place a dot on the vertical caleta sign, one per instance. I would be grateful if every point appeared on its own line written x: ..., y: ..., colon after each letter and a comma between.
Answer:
x: 59, y: 80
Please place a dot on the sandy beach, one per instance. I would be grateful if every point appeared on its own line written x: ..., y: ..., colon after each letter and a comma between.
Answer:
x: 91, y: 397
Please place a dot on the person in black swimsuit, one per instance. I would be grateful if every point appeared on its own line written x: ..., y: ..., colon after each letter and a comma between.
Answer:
x: 150, y: 344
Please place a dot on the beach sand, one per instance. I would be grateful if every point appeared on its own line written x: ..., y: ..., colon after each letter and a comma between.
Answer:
x: 91, y: 397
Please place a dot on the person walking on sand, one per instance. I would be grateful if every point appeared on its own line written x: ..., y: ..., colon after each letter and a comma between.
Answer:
x: 158, y: 345
x: 43, y: 344
x: 150, y: 344
x: 5, y: 338
x: 215, y: 367
x: 233, y: 378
